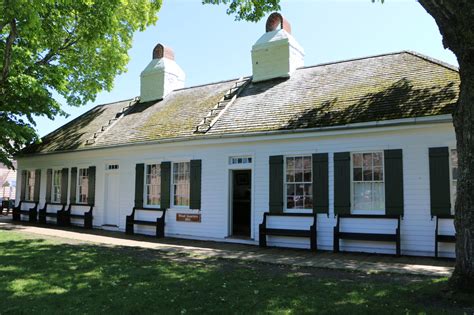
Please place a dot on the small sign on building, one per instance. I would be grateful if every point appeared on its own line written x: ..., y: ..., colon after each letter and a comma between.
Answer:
x: 188, y: 217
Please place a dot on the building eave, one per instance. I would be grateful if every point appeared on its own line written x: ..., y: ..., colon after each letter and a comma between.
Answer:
x: 405, y: 122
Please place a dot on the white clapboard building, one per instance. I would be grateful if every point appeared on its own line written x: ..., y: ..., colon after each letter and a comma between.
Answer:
x: 353, y: 155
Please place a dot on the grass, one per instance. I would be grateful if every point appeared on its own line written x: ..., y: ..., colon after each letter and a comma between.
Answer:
x: 48, y: 276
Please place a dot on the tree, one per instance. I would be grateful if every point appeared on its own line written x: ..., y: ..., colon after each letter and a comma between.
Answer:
x: 455, y: 21
x: 72, y: 48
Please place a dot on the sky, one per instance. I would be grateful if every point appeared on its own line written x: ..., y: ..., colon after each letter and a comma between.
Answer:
x: 211, y: 46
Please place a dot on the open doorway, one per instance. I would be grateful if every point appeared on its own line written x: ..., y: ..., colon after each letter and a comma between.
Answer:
x: 241, y: 202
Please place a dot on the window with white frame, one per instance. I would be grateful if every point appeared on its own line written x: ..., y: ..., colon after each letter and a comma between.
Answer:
x: 233, y: 160
x: 83, y: 185
x: 298, y: 182
x: 181, y: 183
x: 56, y: 186
x: 368, y: 187
x: 153, y: 185
x: 30, y: 185
x: 454, y: 176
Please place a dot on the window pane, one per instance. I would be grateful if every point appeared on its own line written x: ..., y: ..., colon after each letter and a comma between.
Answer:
x: 290, y: 190
x: 358, y: 174
x: 299, y: 163
x: 378, y: 173
x: 378, y: 196
x: 377, y: 159
x: 367, y: 160
x: 299, y: 202
x: 290, y: 204
x: 290, y: 163
x: 308, y: 189
x: 362, y: 196
x: 300, y: 189
x: 299, y: 176
x: 357, y: 161
x: 308, y: 202
x: 307, y: 163
x: 290, y: 177
x: 367, y: 175
x: 307, y: 176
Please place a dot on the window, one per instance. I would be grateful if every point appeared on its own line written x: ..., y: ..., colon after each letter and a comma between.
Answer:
x: 298, y: 182
x: 153, y: 185
x: 56, y: 188
x: 454, y: 176
x: 111, y: 167
x: 368, y: 188
x: 83, y: 185
x: 240, y: 160
x: 30, y: 185
x: 181, y: 184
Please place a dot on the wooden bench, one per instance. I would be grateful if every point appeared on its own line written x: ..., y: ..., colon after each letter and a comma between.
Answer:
x: 43, y: 213
x: 357, y: 236
x: 311, y: 233
x: 7, y: 205
x: 67, y: 215
x: 159, y: 223
x: 443, y: 238
x: 31, y: 212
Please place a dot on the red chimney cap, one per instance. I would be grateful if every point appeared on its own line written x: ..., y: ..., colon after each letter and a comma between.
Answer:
x: 161, y: 51
x: 276, y: 20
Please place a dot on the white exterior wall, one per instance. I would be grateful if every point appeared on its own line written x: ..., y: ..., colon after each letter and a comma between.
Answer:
x: 417, y: 228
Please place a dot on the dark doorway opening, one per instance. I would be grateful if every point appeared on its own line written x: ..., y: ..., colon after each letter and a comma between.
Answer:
x: 241, y: 202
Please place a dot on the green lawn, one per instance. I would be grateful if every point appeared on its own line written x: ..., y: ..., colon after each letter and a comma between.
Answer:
x: 44, y: 276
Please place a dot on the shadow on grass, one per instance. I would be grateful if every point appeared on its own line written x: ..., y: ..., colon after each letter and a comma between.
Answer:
x: 43, y: 276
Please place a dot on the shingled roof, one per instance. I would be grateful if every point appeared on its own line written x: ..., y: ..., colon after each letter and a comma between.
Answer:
x: 384, y: 87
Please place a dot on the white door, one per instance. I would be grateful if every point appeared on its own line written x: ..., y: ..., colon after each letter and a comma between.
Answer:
x: 111, y: 213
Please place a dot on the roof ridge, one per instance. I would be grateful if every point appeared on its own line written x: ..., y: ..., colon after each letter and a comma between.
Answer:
x: 432, y: 60
x: 411, y: 52
x: 211, y: 83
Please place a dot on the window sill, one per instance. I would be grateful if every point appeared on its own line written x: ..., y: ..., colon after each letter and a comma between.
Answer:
x: 298, y: 211
x: 372, y: 212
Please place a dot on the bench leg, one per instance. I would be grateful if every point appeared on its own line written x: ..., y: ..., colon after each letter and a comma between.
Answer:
x: 398, y: 242
x: 41, y: 219
x: 128, y: 226
x: 160, y: 228
x: 336, y: 241
x: 262, y: 239
x: 32, y: 216
x: 314, y: 239
x: 88, y: 221
x: 436, y: 248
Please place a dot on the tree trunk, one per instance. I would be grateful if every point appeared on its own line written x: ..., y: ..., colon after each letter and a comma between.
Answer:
x: 463, y: 117
x: 454, y: 19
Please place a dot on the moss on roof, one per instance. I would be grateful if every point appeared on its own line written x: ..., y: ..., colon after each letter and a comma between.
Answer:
x: 392, y: 86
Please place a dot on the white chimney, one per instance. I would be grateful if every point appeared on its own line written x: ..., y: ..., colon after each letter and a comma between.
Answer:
x: 276, y: 54
x: 161, y: 76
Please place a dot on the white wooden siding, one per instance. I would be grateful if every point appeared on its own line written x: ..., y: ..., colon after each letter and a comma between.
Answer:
x: 417, y: 228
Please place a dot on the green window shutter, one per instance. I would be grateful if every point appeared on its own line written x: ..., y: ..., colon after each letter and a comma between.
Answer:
x: 440, y: 191
x: 36, y: 193
x: 342, y: 183
x: 165, y: 185
x: 91, y: 186
x: 195, y: 184
x: 393, y: 160
x: 276, y: 184
x: 49, y: 183
x: 139, y: 183
x: 320, y: 183
x: 72, y: 196
x: 23, y: 185
x: 64, y: 184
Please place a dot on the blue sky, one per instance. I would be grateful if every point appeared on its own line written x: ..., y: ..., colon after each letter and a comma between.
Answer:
x: 211, y: 46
